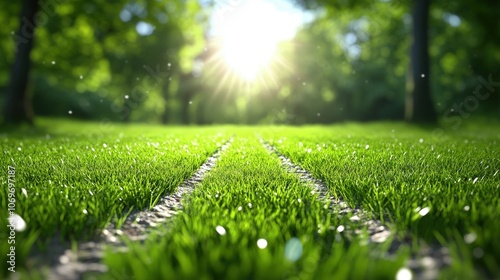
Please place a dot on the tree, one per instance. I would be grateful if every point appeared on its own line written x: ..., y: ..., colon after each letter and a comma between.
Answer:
x: 95, y: 46
x: 17, y: 106
x: 419, y: 103
x: 419, y: 107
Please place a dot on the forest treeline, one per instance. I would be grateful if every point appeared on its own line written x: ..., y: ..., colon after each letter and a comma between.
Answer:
x: 154, y: 61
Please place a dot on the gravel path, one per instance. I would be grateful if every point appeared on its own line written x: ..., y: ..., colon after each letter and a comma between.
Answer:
x: 62, y: 263
x: 424, y: 265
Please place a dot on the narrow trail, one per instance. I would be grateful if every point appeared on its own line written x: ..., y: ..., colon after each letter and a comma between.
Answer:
x: 62, y: 263
x: 378, y: 231
x: 424, y: 265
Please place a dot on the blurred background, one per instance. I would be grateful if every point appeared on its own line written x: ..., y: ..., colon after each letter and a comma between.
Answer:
x: 250, y: 62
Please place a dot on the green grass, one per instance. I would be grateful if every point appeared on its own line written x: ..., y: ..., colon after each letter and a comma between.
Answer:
x: 77, y: 177
x: 71, y: 183
x: 395, y: 172
x: 249, y: 196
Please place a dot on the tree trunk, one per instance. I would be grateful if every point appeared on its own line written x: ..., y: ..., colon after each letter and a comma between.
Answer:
x: 419, y: 107
x: 17, y: 106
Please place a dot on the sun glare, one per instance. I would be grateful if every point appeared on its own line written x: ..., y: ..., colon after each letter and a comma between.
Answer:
x: 249, y: 38
x: 248, y: 53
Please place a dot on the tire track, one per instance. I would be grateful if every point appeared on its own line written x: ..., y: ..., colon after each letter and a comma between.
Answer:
x: 62, y: 263
x: 424, y: 265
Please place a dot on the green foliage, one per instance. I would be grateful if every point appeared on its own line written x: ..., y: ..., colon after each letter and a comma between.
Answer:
x: 51, y: 100
x: 461, y: 50
x: 348, y: 63
x: 96, y: 46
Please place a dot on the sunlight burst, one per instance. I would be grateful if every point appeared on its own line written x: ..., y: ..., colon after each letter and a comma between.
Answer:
x: 250, y: 37
x: 247, y: 52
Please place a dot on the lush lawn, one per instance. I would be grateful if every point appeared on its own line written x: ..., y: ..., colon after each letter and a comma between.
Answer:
x: 439, y: 188
x: 74, y: 178
x: 250, y: 219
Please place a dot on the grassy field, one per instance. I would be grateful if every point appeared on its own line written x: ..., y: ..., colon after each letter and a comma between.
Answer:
x: 250, y: 218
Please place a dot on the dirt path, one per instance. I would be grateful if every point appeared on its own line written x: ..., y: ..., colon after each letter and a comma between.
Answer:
x: 424, y: 265
x: 63, y: 263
